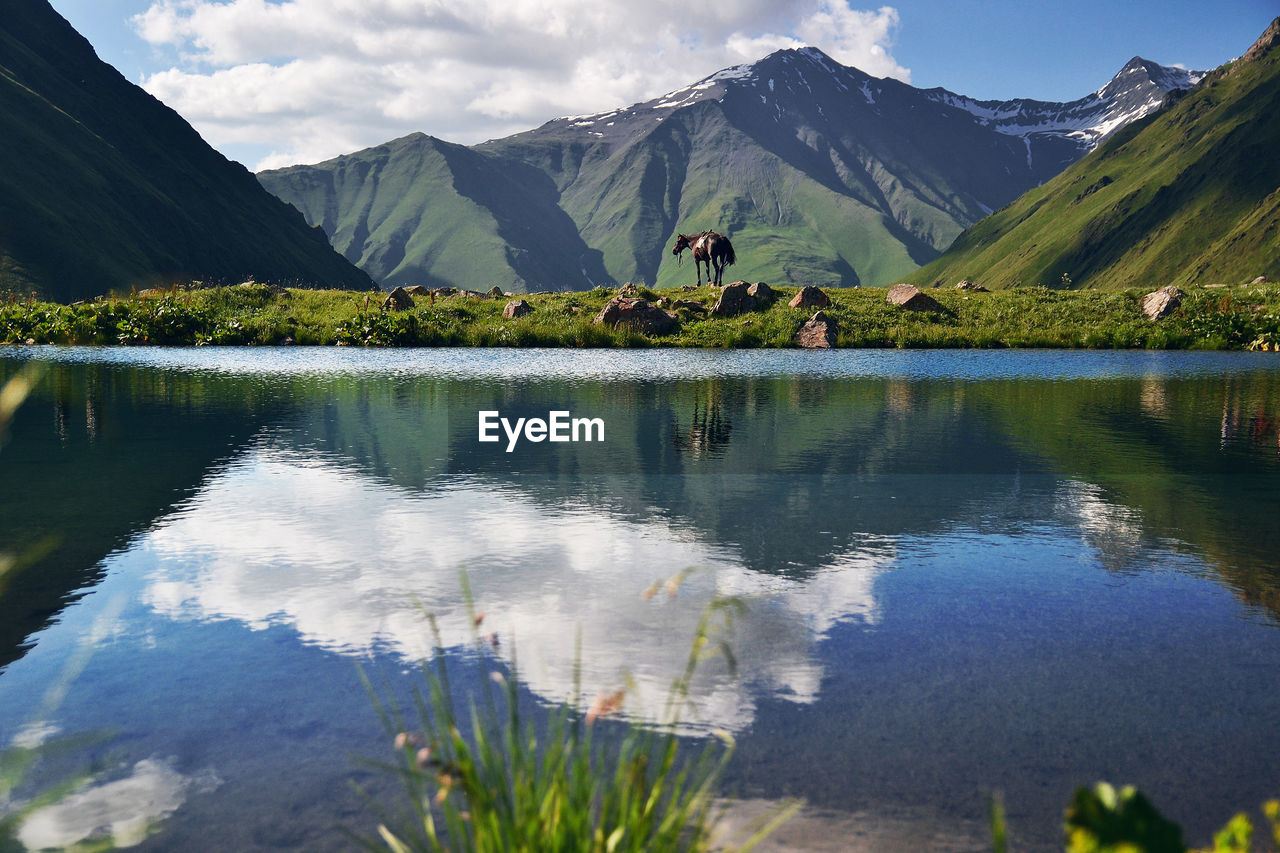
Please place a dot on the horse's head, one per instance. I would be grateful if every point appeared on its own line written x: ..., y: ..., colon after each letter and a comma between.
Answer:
x: 682, y: 242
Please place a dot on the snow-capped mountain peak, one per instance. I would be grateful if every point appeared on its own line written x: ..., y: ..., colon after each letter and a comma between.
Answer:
x: 1138, y: 89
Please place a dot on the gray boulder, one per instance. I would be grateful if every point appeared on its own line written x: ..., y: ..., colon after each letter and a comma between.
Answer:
x: 810, y: 297
x: 639, y: 314
x: 911, y: 298
x: 397, y: 300
x: 819, y: 333
x: 1161, y: 303
x: 734, y: 300
x: 516, y: 308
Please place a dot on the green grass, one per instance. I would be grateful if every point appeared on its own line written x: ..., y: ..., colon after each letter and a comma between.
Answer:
x: 483, y: 778
x: 1186, y: 197
x: 1241, y: 317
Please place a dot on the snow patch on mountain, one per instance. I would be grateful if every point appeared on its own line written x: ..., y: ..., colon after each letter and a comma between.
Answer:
x: 1139, y: 89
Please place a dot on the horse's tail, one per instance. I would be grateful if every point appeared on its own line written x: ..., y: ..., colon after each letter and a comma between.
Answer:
x: 729, y: 256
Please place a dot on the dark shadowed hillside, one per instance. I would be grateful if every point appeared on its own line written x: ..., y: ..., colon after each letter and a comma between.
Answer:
x: 104, y: 187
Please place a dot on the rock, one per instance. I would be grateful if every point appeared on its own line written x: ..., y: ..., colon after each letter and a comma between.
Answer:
x: 397, y: 300
x: 810, y: 297
x: 1262, y: 279
x: 819, y: 333
x: 629, y: 289
x: 516, y: 308
x: 912, y: 298
x: 763, y: 293
x: 1216, y: 285
x: 637, y: 313
x: 688, y: 287
x: 691, y: 305
x: 734, y: 300
x: 1161, y: 303
x: 495, y: 292
x: 416, y: 290
x: 965, y: 284
x: 446, y: 291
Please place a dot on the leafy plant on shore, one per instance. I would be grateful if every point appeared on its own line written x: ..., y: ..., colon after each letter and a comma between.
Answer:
x: 487, y: 779
x: 1103, y: 819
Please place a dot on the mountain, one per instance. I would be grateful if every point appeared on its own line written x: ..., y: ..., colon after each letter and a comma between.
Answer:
x: 1190, y: 196
x: 104, y: 187
x: 819, y: 173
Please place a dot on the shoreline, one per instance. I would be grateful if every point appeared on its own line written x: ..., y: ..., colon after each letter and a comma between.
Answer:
x: 1238, y: 317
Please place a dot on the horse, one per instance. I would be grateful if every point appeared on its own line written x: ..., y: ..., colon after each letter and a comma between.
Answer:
x: 710, y: 248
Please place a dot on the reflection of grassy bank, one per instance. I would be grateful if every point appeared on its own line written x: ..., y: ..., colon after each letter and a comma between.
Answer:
x: 1243, y: 317
x: 1195, y: 460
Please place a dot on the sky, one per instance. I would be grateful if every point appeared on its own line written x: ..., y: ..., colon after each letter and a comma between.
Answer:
x: 277, y: 82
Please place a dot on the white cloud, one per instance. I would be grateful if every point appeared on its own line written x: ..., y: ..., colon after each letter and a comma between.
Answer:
x: 312, y: 79
x: 278, y: 539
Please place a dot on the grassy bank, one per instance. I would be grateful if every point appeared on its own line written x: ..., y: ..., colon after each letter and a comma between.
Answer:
x: 1239, y: 317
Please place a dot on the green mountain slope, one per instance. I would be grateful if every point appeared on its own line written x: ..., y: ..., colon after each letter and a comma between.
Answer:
x: 819, y: 173
x: 103, y: 187
x: 1191, y: 196
x: 417, y: 210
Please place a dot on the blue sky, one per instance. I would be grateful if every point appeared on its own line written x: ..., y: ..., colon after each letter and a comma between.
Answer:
x: 272, y: 82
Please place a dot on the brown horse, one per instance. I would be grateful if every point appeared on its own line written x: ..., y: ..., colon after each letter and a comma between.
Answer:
x: 710, y: 248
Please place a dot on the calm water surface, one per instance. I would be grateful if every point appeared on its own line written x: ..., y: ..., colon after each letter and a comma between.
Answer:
x: 962, y: 572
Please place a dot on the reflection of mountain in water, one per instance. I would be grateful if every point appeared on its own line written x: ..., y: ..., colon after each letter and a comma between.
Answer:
x: 96, y: 455
x: 785, y: 477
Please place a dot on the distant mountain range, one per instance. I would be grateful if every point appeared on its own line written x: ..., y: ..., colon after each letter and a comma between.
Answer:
x: 1190, y: 196
x: 103, y: 187
x: 820, y: 174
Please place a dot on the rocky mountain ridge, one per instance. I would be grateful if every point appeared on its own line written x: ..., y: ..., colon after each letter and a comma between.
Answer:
x: 819, y: 172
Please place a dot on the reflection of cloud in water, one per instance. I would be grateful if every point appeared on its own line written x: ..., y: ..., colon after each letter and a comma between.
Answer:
x: 1113, y: 530
x: 278, y: 538
x: 122, y: 810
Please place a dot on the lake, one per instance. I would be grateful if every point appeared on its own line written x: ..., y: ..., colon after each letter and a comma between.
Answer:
x: 960, y: 572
